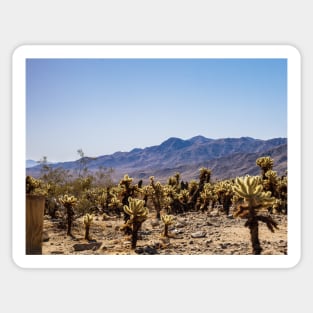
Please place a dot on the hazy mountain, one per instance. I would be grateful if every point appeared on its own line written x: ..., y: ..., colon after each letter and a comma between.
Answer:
x: 31, y: 163
x: 227, y: 157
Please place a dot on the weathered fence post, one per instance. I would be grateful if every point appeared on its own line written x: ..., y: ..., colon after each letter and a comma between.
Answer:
x: 34, y: 223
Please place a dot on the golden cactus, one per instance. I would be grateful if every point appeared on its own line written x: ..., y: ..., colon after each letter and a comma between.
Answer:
x: 251, y: 190
x: 69, y: 202
x: 138, y: 214
x: 88, y: 218
x: 255, y: 200
x: 265, y: 163
x: 167, y: 220
x: 36, y: 187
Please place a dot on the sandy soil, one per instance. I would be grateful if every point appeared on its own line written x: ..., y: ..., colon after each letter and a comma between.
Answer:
x: 194, y: 232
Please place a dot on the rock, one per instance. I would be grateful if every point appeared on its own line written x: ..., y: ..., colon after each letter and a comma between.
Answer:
x: 87, y: 246
x: 147, y: 250
x: 57, y: 252
x: 198, y: 234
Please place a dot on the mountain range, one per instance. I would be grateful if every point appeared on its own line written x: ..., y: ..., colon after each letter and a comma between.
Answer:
x: 226, y: 157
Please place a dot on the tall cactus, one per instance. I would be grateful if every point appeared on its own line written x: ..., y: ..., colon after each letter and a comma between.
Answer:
x: 69, y: 203
x: 255, y: 199
x: 156, y: 193
x: 138, y: 214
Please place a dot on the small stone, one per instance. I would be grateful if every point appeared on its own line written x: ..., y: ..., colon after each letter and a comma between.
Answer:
x: 198, y: 234
x: 57, y: 252
x: 87, y: 246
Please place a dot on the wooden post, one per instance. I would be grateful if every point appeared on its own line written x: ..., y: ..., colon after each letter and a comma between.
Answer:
x: 34, y: 223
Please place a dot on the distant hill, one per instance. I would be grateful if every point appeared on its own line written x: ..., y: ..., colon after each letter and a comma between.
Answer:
x: 31, y: 163
x: 226, y: 157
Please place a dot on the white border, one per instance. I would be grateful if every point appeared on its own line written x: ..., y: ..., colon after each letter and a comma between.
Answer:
x: 156, y: 51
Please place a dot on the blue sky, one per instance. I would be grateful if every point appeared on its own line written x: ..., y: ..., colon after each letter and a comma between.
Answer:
x: 106, y: 105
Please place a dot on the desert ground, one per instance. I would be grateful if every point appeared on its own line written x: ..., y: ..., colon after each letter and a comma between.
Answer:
x: 192, y: 233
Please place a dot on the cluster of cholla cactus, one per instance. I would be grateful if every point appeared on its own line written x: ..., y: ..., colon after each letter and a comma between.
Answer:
x: 208, y: 197
x: 137, y: 213
x: 224, y: 193
x: 251, y: 198
x: 255, y: 202
x: 69, y: 202
x: 271, y: 182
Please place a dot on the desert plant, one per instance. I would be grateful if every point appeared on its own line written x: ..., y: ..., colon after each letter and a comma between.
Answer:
x: 115, y: 205
x: 270, y: 183
x: 255, y: 200
x: 224, y: 192
x: 138, y: 214
x: 156, y: 193
x: 171, y: 200
x: 35, y: 187
x: 69, y: 203
x: 265, y: 163
x: 88, y: 218
x: 208, y: 197
x: 204, y: 178
x: 167, y: 220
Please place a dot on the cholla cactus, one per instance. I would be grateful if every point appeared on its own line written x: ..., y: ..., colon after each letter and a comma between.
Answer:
x: 69, y: 202
x: 167, y: 220
x: 224, y: 192
x: 265, y: 163
x: 255, y: 200
x: 35, y: 187
x: 88, y: 218
x: 271, y: 181
x: 127, y: 190
x: 115, y: 204
x: 138, y: 214
x: 208, y: 197
x: 156, y: 193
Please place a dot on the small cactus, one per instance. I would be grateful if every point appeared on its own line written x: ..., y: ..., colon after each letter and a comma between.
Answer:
x: 167, y: 220
x: 88, y: 218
